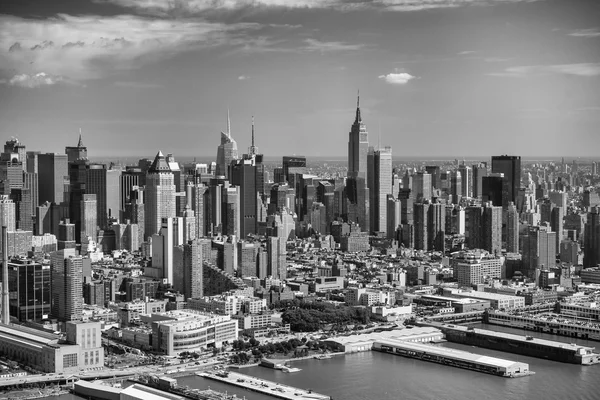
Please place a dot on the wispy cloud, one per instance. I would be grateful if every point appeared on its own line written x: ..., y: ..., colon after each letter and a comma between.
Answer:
x: 88, y: 47
x: 585, y: 33
x: 34, y: 81
x: 197, y: 7
x: 243, y: 78
x: 466, y: 52
x: 581, y: 69
x: 397, y: 78
x: 317, y: 45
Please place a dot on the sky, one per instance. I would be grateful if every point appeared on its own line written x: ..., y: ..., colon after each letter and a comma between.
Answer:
x: 439, y: 78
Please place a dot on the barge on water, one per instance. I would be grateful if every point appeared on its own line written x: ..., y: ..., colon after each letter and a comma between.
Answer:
x: 525, y: 345
x: 454, y: 358
x: 547, y: 323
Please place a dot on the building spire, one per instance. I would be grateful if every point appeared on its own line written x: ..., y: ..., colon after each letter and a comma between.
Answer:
x: 228, y: 124
x: 358, y: 117
x: 80, y: 142
x: 252, y: 150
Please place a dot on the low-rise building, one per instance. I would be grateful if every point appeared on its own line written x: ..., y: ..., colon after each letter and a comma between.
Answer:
x: 177, y: 331
x: 51, y: 353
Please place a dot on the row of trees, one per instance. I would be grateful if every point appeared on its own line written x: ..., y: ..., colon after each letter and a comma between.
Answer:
x: 310, y: 317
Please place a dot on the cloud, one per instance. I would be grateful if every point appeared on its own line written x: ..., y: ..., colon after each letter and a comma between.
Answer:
x: 581, y: 69
x: 197, y: 7
x: 466, y: 52
x: 316, y: 45
x: 44, y: 45
x: 243, y: 78
x: 585, y: 33
x: 397, y: 78
x: 15, y: 47
x: 89, y: 47
x: 34, y: 81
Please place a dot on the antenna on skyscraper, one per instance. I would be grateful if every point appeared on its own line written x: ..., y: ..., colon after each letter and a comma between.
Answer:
x: 358, y: 99
x: 228, y: 123
x: 253, y: 131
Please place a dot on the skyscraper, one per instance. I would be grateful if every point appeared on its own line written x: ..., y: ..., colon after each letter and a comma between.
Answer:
x: 479, y: 171
x: 358, y: 145
x: 159, y: 195
x: 539, y: 252
x: 357, y: 191
x: 29, y: 287
x: 556, y: 222
x: 195, y: 253
x: 421, y: 225
x: 466, y: 174
x: 67, y: 281
x: 105, y: 184
x: 78, y: 152
x: 510, y: 166
x: 88, y: 219
x: 421, y: 187
x: 52, y: 170
x: 226, y: 152
x: 591, y: 245
x: 512, y: 229
x: 380, y: 186
x: 492, y: 229
x: 292, y: 162
x: 436, y: 226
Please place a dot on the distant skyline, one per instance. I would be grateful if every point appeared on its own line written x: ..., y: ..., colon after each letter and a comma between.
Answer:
x: 438, y: 78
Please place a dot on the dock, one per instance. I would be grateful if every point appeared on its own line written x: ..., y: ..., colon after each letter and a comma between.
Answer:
x: 526, y: 345
x: 454, y: 358
x: 263, y: 386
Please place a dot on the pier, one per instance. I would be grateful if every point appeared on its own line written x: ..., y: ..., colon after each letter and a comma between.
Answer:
x: 263, y: 386
x: 455, y: 358
x: 518, y: 344
x: 553, y: 324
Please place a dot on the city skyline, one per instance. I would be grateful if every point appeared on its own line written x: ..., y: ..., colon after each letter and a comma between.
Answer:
x: 501, y: 77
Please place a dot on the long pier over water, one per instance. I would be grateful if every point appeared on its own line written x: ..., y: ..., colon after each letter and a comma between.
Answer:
x: 263, y: 386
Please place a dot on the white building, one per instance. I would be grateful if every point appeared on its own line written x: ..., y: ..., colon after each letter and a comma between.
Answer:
x: 177, y: 331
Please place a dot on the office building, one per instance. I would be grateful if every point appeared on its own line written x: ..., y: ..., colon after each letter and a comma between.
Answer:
x: 296, y: 163
x: 539, y: 251
x: 479, y: 171
x: 159, y: 195
x: 456, y: 186
x: 466, y: 174
x: 591, y: 245
x: 421, y: 187
x: 88, y: 219
x: 78, y: 152
x: 29, y: 284
x: 195, y: 253
x: 52, y: 170
x: 380, y: 186
x: 227, y: 152
x: 493, y: 187
x: 512, y: 229
x: 435, y: 172
x: 67, y: 285
x: 510, y: 166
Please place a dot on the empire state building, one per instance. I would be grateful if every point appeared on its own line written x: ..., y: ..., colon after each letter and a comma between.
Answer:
x: 358, y: 145
x: 357, y: 192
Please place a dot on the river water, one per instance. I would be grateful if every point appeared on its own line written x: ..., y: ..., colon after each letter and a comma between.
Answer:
x: 374, y: 375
